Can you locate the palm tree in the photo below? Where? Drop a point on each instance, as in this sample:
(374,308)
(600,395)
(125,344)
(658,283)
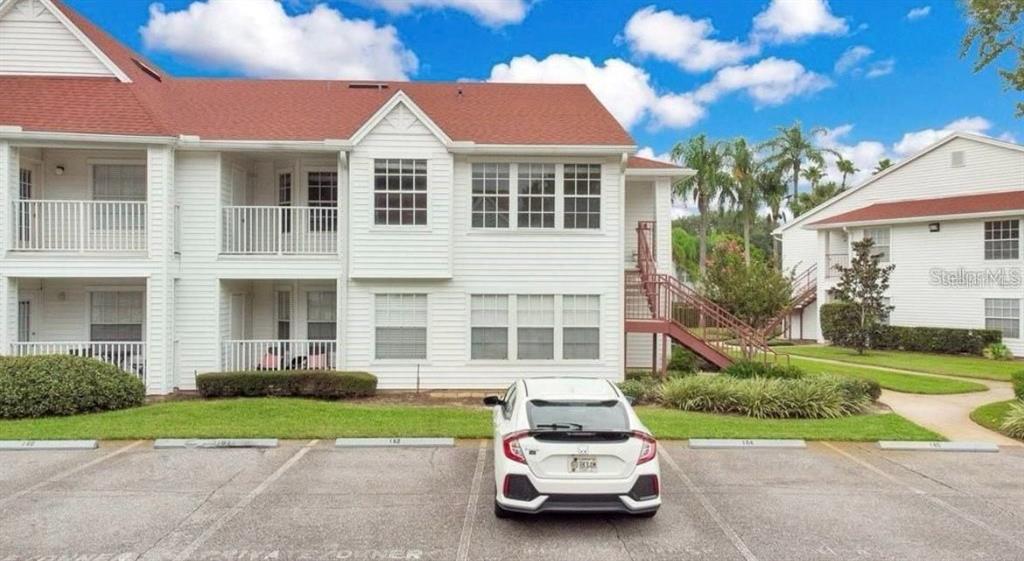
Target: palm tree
(883,164)
(846,168)
(744,195)
(772,188)
(817,195)
(705,186)
(791,148)
(813,174)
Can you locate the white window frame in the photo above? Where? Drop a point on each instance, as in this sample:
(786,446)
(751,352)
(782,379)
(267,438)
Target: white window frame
(490,312)
(93,164)
(90,294)
(528,304)
(1007,305)
(556,196)
(393,320)
(1012,224)
(332,317)
(578,315)
(887,254)
(414,193)
(486,172)
(589,197)
(278,316)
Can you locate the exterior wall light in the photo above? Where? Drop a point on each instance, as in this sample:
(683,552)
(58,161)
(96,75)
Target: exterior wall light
(59,170)
(933,227)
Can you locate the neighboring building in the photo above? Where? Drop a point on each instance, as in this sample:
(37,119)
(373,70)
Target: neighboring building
(435,234)
(948,218)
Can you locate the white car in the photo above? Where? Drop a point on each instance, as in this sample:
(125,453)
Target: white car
(572,445)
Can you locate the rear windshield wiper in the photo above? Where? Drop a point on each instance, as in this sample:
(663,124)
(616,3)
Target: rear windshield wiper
(557,426)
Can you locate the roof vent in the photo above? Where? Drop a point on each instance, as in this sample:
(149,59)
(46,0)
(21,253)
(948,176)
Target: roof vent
(368,86)
(148,69)
(958,159)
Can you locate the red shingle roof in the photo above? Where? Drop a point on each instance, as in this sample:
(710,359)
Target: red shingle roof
(636,162)
(219,109)
(920,208)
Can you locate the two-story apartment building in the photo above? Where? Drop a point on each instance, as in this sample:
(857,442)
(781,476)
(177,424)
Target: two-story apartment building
(435,234)
(947,218)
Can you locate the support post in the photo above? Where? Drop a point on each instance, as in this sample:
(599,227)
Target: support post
(664,355)
(654,354)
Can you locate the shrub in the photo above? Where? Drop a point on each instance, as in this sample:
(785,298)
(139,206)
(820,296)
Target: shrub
(997,351)
(641,391)
(39,386)
(814,397)
(859,386)
(756,369)
(1018,384)
(1013,422)
(324,384)
(838,319)
(682,360)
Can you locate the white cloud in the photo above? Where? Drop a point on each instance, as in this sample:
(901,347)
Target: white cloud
(260,39)
(785,21)
(880,68)
(913,142)
(683,40)
(771,81)
(918,13)
(864,154)
(624,89)
(648,152)
(494,13)
(851,58)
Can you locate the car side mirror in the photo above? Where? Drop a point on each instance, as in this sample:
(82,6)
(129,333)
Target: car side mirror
(630,400)
(493,400)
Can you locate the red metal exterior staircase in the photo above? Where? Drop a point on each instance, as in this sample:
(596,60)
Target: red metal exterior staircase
(661,304)
(805,292)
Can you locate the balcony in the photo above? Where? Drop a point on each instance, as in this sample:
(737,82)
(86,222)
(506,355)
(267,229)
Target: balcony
(279,230)
(128,356)
(79,226)
(833,260)
(278,354)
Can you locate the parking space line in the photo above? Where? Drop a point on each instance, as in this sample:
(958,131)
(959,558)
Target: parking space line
(927,496)
(724,526)
(69,472)
(243,503)
(474,491)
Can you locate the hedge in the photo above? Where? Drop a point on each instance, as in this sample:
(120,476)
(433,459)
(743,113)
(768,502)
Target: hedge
(757,369)
(40,386)
(836,320)
(815,397)
(324,384)
(1018,384)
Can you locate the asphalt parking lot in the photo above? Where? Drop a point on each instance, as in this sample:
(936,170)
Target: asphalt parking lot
(310,501)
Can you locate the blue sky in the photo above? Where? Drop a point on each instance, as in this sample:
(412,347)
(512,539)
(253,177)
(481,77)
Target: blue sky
(670,75)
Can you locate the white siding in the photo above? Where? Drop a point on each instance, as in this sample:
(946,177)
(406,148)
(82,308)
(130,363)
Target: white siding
(61,306)
(34,41)
(401,251)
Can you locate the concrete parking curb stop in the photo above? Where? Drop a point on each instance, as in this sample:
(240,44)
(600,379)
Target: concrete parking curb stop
(48,445)
(394,442)
(746,443)
(162,443)
(937,446)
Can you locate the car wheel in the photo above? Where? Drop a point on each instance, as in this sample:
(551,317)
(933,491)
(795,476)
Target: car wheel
(648,514)
(500,512)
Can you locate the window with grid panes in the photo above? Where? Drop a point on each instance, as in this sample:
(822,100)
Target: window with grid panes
(1002,239)
(400,192)
(284,198)
(489,326)
(881,238)
(1003,314)
(283,312)
(582,186)
(321,315)
(535,195)
(581,327)
(116,315)
(490,195)
(401,326)
(322,187)
(118,182)
(535,327)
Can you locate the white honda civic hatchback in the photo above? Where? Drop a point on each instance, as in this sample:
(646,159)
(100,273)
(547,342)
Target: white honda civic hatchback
(572,445)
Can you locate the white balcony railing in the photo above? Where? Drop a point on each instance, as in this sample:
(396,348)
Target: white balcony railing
(128,356)
(278,354)
(83,226)
(833,260)
(281,230)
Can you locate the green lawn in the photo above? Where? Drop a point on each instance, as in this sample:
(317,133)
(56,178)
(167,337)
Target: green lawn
(952,365)
(991,416)
(896,381)
(300,418)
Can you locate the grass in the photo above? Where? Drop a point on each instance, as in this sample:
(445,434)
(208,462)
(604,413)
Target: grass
(991,415)
(951,365)
(292,418)
(895,381)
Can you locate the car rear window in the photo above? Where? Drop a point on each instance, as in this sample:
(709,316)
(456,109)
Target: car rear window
(607,415)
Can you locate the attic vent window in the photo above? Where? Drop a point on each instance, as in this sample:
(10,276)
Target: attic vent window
(958,159)
(148,69)
(368,86)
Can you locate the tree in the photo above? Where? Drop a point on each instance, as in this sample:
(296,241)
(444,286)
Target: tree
(883,164)
(705,186)
(754,293)
(813,175)
(817,195)
(994,27)
(773,189)
(863,284)
(845,167)
(791,148)
(744,194)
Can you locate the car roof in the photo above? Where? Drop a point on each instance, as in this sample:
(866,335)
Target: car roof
(569,388)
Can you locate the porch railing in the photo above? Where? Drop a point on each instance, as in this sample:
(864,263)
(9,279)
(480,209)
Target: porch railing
(128,356)
(103,226)
(269,230)
(278,354)
(833,260)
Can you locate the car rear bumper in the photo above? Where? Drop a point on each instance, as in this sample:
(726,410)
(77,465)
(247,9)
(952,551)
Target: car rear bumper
(631,495)
(581,503)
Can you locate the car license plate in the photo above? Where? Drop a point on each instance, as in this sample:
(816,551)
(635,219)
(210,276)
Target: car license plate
(582,464)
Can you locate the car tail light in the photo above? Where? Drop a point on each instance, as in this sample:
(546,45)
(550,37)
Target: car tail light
(648,447)
(513,450)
